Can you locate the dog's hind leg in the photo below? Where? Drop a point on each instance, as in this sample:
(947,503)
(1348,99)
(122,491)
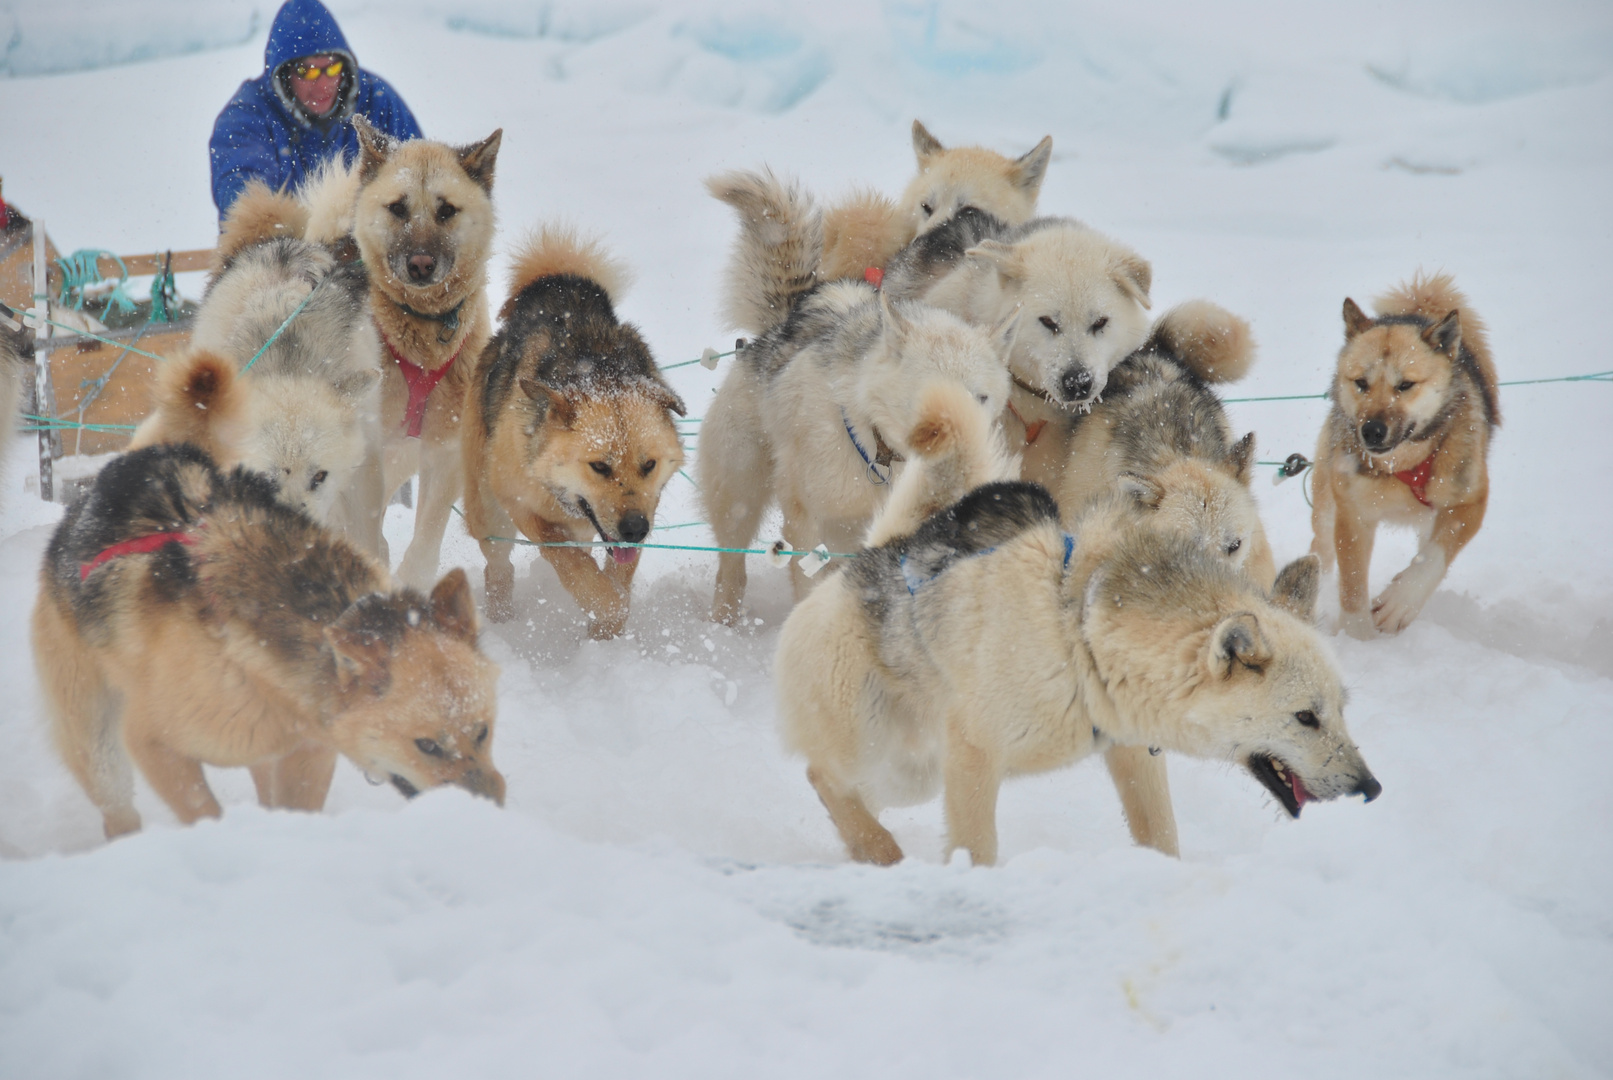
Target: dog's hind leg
(735,467)
(178,779)
(1145,796)
(866,839)
(298,781)
(972,782)
(84,718)
(440,481)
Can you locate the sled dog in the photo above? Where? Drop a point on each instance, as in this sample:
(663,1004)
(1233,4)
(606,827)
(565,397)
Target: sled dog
(307,411)
(1406,441)
(863,233)
(569,432)
(815,412)
(1159,413)
(1083,303)
(421,216)
(185,617)
(988,642)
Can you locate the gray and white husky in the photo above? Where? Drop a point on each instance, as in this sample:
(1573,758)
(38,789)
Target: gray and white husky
(815,412)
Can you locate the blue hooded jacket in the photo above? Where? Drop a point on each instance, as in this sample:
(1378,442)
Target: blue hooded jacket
(264,133)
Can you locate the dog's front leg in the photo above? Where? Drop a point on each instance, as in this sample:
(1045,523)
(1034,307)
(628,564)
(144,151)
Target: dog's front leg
(1403,599)
(1352,541)
(596,592)
(440,483)
(1145,796)
(486,517)
(298,781)
(866,839)
(972,782)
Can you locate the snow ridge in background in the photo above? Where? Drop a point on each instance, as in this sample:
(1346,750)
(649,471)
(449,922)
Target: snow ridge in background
(50,38)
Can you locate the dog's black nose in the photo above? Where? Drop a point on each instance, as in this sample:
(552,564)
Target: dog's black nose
(421,267)
(1076,384)
(1369,788)
(634,527)
(1374,433)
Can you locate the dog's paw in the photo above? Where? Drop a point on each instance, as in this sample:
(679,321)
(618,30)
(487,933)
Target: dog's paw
(1401,602)
(1358,624)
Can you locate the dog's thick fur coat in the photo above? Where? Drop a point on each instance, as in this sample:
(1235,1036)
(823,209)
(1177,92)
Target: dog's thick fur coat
(569,431)
(421,216)
(866,230)
(987,642)
(185,617)
(1406,441)
(815,411)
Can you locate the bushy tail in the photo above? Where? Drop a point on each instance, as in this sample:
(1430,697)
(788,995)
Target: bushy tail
(329,196)
(257,216)
(1434,296)
(957,447)
(1205,338)
(560,249)
(196,398)
(863,232)
(777,255)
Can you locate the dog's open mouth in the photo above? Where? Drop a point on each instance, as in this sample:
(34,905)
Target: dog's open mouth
(409,790)
(621,555)
(1281,781)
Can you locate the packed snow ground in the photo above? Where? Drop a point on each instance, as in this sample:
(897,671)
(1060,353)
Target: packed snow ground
(662,895)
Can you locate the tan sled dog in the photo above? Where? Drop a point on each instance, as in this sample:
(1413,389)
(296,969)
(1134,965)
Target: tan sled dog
(185,618)
(987,642)
(862,233)
(568,432)
(421,215)
(1406,441)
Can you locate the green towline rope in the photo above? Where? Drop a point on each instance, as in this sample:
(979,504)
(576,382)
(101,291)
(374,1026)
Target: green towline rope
(1595,376)
(282,329)
(663,547)
(700,360)
(28,314)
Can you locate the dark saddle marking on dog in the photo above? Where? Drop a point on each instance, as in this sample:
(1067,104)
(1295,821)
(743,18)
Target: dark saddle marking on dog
(943,246)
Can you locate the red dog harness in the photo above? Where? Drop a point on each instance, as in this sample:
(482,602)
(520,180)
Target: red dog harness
(420,383)
(140,545)
(1417,479)
(874,276)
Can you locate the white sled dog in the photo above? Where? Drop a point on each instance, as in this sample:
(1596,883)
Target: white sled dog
(987,642)
(1083,303)
(307,411)
(862,233)
(815,412)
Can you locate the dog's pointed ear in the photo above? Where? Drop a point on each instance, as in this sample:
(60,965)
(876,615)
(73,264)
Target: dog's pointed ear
(1144,490)
(478,159)
(1237,643)
(1355,320)
(1446,335)
(1006,329)
(553,406)
(1029,171)
(925,145)
(1135,277)
(452,609)
(1005,258)
(374,147)
(363,657)
(663,395)
(1241,459)
(1296,588)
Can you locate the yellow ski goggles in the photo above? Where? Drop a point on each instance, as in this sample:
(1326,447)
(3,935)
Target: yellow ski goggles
(309,72)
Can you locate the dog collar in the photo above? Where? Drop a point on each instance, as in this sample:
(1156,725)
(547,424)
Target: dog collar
(140,545)
(1417,479)
(449,319)
(420,383)
(883,454)
(1031,430)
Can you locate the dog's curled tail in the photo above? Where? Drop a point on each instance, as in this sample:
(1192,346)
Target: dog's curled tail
(1205,338)
(330,197)
(194,397)
(560,249)
(779,249)
(864,232)
(257,216)
(957,446)
(1434,296)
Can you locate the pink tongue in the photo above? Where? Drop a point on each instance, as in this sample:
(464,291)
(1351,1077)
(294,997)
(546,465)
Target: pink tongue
(624,555)
(1301,796)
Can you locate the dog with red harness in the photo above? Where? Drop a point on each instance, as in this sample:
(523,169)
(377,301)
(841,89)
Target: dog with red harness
(186,617)
(1414,403)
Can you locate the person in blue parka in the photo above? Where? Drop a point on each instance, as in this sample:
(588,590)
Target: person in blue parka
(281,125)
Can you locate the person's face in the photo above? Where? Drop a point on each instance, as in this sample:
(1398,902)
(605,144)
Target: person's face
(315,80)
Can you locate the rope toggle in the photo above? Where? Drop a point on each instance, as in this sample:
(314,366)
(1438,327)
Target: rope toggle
(1293,465)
